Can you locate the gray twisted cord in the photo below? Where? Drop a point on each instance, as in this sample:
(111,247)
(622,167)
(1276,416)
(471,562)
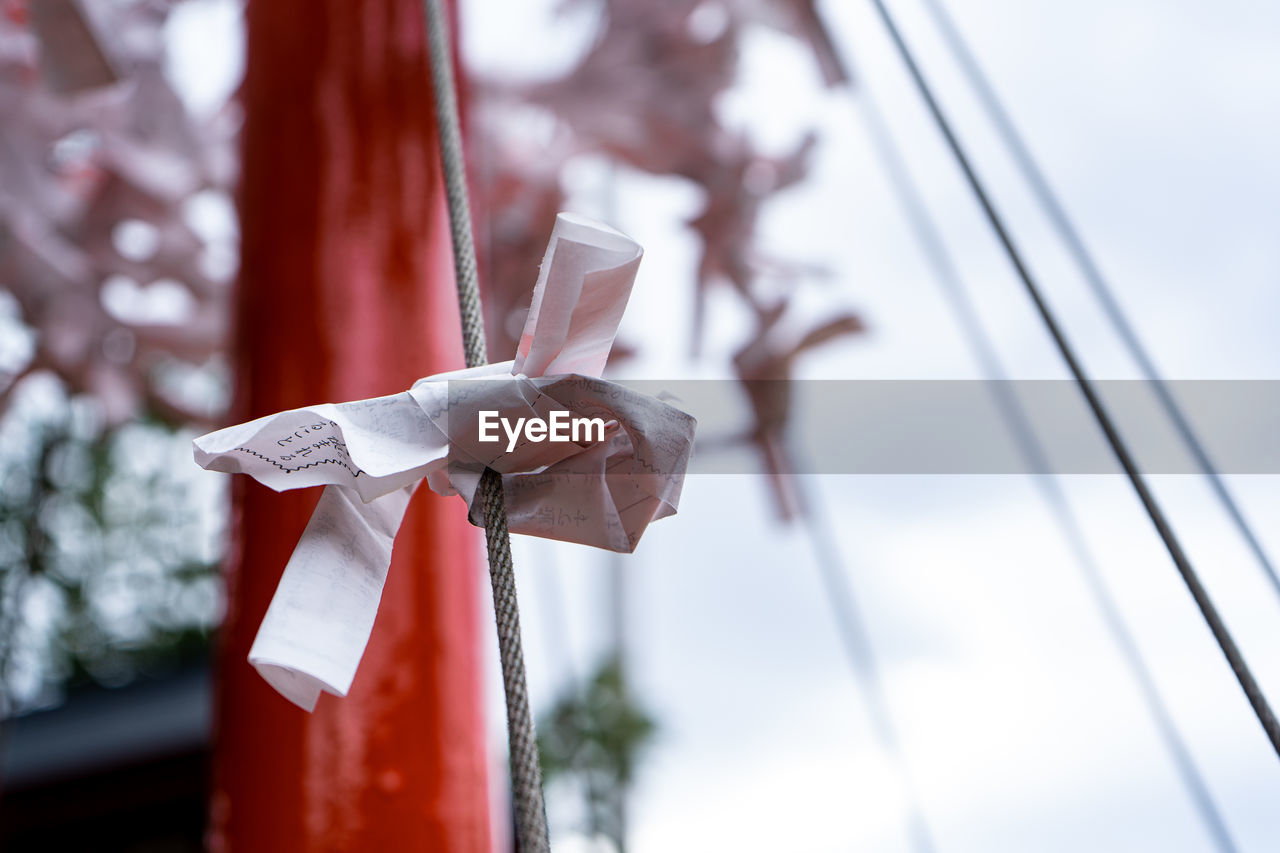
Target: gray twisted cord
(526,772)
(455,182)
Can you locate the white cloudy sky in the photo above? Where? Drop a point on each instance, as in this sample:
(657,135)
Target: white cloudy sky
(1158,122)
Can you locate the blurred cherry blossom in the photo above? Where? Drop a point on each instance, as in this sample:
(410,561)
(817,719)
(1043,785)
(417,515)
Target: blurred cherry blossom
(99,165)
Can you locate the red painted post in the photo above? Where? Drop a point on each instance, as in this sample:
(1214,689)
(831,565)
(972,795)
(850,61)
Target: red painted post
(346,291)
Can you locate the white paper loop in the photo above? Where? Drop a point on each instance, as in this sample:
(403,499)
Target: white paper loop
(371,454)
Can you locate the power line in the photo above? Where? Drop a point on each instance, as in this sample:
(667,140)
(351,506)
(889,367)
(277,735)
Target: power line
(1015,416)
(854,638)
(1093,276)
(1261,708)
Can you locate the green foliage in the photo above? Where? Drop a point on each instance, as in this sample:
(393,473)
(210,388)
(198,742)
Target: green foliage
(595,736)
(106,570)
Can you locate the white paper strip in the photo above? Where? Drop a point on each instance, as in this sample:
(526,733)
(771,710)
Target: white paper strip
(319,620)
(370,455)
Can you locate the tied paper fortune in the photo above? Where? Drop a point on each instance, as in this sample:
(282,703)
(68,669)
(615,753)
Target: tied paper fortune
(370,455)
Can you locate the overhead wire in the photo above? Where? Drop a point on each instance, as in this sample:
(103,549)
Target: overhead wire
(1244,675)
(956,296)
(856,642)
(1094,278)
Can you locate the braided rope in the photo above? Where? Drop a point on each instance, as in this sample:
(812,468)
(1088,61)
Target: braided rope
(526,773)
(455,182)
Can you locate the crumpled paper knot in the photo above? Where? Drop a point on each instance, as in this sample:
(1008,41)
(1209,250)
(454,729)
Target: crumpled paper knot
(624,470)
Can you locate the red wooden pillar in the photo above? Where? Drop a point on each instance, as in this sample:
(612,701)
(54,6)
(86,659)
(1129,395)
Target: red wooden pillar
(346,291)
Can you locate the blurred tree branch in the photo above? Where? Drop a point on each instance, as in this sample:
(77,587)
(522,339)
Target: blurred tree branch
(113,301)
